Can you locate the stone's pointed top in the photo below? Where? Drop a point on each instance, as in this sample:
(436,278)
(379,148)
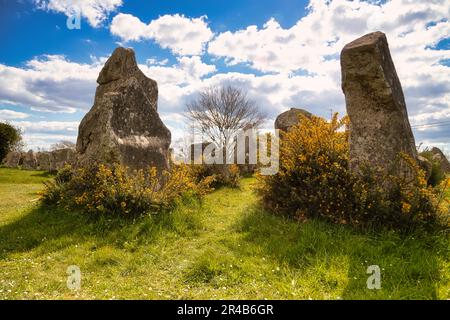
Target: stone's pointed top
(295,112)
(440,157)
(289,118)
(367,40)
(121,64)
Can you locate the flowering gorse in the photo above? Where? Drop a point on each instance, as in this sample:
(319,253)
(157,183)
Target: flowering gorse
(314,181)
(100,189)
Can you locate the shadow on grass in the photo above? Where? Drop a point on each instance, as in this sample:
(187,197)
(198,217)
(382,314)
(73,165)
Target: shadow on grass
(49,229)
(410,266)
(44,174)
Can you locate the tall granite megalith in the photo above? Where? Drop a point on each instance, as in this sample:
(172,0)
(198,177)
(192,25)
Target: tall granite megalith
(379,125)
(123,126)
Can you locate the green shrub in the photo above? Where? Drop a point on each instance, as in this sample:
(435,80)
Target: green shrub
(10,139)
(314,182)
(116,190)
(437,174)
(221,175)
(400,203)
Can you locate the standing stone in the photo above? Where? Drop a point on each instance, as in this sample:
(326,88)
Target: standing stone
(123,126)
(44,160)
(12,159)
(440,157)
(29,160)
(290,118)
(379,125)
(60,157)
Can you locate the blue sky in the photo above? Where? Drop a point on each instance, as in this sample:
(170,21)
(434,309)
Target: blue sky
(30,31)
(284,53)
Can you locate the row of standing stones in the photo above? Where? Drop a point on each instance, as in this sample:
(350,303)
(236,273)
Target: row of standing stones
(47,161)
(123,125)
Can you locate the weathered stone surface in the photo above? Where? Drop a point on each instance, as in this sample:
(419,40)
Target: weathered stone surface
(379,125)
(440,157)
(123,125)
(12,159)
(122,64)
(61,157)
(290,118)
(29,160)
(44,160)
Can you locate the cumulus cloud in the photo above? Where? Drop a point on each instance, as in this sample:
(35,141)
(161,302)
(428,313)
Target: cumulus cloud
(54,84)
(182,35)
(187,69)
(329,25)
(43,141)
(49,83)
(312,47)
(95,11)
(42,134)
(178,82)
(156,61)
(48,126)
(6,114)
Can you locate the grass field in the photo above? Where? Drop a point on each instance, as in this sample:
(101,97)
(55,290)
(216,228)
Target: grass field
(225,247)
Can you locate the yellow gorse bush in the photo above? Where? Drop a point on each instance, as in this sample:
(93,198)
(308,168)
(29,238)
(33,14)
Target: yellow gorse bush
(219,174)
(102,189)
(313,170)
(314,181)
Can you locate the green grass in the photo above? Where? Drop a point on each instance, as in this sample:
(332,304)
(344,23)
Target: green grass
(225,247)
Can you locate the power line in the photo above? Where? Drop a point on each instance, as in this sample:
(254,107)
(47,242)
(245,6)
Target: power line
(431,125)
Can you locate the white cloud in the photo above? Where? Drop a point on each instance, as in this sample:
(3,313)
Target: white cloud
(54,84)
(42,134)
(312,46)
(188,69)
(49,83)
(95,11)
(179,81)
(320,35)
(43,141)
(273,93)
(182,35)
(194,67)
(155,61)
(6,114)
(129,28)
(47,126)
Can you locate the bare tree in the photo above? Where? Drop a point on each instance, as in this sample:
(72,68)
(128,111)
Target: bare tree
(221,112)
